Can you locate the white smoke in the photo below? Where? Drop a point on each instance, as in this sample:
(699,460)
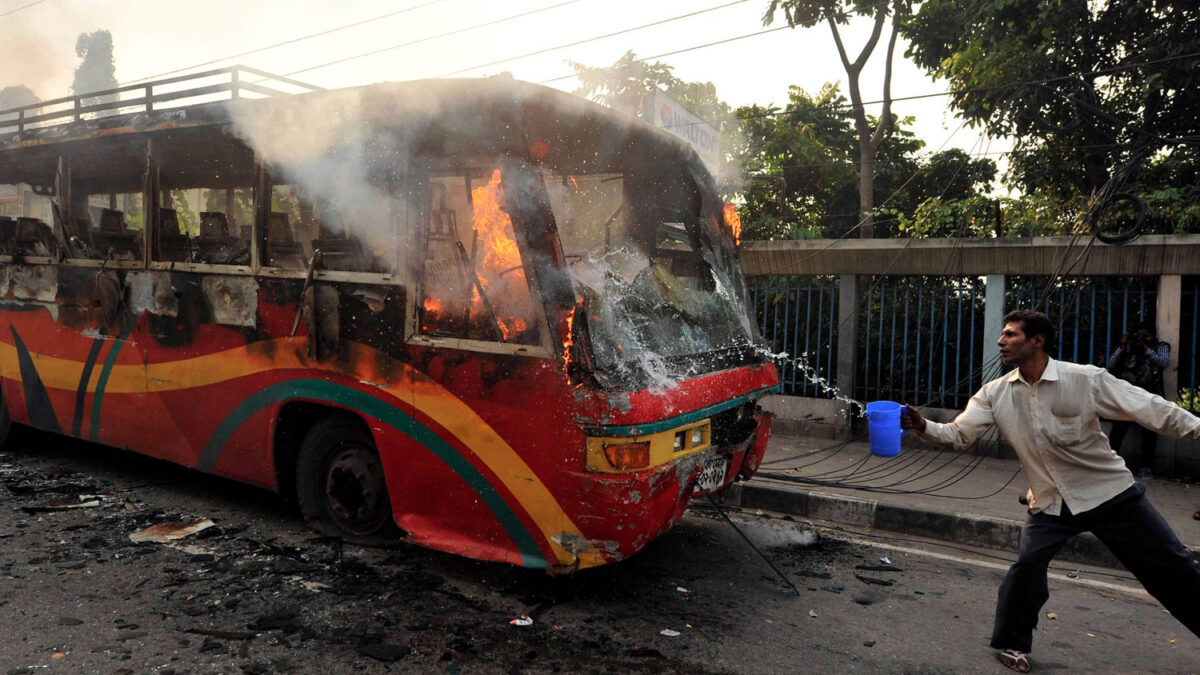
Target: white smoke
(32,61)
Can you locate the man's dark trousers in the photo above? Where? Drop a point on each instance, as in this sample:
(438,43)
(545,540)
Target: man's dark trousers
(1135,533)
(1116,437)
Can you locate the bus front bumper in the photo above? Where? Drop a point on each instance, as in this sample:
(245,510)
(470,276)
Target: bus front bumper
(620,513)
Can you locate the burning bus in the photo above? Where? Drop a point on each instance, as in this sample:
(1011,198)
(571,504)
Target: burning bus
(483,316)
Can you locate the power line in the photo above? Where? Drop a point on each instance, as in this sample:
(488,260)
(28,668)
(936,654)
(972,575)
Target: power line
(593,39)
(432,37)
(688,49)
(14,11)
(915,97)
(285,42)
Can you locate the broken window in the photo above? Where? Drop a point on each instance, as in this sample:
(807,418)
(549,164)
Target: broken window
(353,235)
(205,200)
(651,293)
(105,218)
(30,197)
(474,284)
(26,214)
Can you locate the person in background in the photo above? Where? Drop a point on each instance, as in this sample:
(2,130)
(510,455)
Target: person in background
(1049,411)
(1140,360)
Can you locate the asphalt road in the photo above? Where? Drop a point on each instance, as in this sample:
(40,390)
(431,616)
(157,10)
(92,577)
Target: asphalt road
(257,593)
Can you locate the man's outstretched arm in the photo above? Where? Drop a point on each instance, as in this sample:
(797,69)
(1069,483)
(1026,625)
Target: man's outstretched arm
(960,433)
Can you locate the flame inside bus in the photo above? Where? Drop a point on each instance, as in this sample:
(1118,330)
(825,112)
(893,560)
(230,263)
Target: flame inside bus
(734,221)
(498,261)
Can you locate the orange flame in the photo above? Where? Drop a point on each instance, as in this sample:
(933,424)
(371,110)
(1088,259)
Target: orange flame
(499,263)
(568,342)
(734,221)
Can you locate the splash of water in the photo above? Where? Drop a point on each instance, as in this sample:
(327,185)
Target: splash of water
(800,362)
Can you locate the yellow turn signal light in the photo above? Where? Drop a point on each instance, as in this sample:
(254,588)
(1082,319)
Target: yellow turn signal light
(628,455)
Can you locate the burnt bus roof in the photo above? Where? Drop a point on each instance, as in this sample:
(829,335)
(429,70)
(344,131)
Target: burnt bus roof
(516,113)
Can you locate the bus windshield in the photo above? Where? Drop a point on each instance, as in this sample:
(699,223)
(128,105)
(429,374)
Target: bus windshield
(661,297)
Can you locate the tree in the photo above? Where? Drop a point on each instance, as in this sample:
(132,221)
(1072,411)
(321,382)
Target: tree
(835,13)
(98,71)
(1084,87)
(800,169)
(625,83)
(15,97)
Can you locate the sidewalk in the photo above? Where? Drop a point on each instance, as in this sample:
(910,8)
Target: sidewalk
(926,492)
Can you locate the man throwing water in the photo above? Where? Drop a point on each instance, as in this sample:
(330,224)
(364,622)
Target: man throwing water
(1050,411)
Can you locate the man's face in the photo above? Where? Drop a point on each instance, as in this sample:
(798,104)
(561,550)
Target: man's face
(1015,349)
(1145,337)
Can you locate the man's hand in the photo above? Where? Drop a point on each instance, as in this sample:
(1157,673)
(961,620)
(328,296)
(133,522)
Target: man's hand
(911,418)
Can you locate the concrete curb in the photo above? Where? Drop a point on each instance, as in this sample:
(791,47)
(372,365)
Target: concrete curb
(961,528)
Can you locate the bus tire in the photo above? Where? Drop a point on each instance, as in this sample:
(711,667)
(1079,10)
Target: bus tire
(5,422)
(340,484)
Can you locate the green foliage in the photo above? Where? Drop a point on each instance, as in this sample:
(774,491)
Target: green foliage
(1082,86)
(801,165)
(809,13)
(17,96)
(189,221)
(625,83)
(98,70)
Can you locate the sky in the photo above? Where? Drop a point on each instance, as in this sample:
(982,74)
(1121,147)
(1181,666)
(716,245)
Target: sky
(415,39)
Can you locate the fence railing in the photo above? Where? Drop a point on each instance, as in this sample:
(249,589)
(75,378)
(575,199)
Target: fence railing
(798,316)
(925,338)
(210,85)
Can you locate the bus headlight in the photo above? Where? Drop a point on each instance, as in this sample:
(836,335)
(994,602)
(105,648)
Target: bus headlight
(628,455)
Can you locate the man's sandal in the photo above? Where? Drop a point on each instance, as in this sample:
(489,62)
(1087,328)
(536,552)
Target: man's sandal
(1015,660)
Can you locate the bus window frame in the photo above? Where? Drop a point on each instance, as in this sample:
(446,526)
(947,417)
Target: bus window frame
(420,207)
(398,278)
(67,160)
(154,200)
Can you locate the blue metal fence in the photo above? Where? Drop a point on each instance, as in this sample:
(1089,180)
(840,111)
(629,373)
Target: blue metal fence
(921,338)
(798,316)
(1189,317)
(1091,314)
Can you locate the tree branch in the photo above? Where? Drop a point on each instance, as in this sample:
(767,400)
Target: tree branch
(837,40)
(886,114)
(880,17)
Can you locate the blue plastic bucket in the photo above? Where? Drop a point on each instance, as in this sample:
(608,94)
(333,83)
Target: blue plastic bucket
(883,424)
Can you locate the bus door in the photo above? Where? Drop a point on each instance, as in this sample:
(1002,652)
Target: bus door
(481,340)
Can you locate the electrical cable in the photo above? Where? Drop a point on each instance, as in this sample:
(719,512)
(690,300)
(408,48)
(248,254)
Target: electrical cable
(874,534)
(681,51)
(14,11)
(433,37)
(287,42)
(968,90)
(741,534)
(592,39)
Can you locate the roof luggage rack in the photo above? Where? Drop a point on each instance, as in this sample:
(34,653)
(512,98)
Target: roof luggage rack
(223,84)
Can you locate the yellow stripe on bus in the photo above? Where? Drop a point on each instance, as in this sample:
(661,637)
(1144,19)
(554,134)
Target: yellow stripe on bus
(426,396)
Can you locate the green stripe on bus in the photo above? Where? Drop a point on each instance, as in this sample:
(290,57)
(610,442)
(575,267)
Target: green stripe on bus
(102,381)
(678,420)
(332,392)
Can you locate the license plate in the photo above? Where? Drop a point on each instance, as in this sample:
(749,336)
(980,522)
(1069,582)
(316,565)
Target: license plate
(712,474)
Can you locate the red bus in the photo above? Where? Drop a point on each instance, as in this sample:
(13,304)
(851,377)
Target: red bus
(483,316)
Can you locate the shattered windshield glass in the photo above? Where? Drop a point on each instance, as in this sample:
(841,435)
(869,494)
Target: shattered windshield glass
(657,294)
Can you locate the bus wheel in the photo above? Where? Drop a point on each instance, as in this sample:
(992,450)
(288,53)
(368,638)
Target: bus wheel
(5,422)
(340,484)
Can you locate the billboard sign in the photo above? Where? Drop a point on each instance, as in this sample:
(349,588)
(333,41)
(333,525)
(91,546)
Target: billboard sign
(666,113)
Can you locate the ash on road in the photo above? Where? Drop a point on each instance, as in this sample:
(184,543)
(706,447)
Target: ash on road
(258,593)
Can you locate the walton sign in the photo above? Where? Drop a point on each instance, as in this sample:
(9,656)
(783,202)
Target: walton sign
(666,113)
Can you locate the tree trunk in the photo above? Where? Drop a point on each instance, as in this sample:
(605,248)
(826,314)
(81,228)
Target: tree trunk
(868,140)
(866,190)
